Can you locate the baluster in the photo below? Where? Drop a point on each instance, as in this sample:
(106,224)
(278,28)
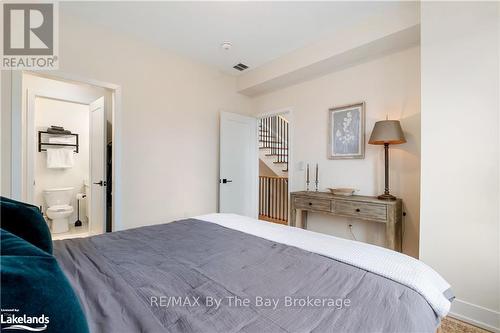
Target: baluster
(260,195)
(266,134)
(277,135)
(268,193)
(272,197)
(284,141)
(286,199)
(271,211)
(268,121)
(269,133)
(276,199)
(280,140)
(287,146)
(280,199)
(274,135)
(261,130)
(264,184)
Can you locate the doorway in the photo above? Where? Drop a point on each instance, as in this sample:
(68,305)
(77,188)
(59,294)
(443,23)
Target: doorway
(254,161)
(274,159)
(83,114)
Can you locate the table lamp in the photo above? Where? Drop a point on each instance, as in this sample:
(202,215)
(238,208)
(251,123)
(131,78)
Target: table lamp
(387,132)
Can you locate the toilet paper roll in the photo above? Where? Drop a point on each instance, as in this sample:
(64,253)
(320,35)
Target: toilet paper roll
(80,196)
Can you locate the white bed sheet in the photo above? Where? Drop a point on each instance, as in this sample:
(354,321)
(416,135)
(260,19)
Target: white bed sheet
(390,264)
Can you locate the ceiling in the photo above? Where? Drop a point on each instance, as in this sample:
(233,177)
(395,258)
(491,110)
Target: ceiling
(259,31)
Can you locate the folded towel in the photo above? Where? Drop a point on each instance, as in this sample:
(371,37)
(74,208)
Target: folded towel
(60,158)
(57,131)
(62,139)
(57,127)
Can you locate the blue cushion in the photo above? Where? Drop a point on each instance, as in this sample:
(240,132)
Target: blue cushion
(25,221)
(33,283)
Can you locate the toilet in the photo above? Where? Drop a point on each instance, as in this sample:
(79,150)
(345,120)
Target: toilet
(58,207)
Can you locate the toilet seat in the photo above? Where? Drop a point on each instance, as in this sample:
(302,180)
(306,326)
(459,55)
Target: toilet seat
(60,208)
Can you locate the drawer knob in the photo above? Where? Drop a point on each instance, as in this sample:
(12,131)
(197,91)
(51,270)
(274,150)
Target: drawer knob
(358,210)
(310,204)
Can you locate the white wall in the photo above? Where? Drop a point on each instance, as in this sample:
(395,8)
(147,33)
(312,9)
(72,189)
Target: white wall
(390,86)
(170,109)
(460,154)
(73,117)
(5,133)
(169,120)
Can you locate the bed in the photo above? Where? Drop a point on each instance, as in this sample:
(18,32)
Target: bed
(228,273)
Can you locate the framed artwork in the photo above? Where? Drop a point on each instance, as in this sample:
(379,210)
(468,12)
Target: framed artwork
(347,132)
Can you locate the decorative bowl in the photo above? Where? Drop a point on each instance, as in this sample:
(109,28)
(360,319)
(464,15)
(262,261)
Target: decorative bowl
(347,192)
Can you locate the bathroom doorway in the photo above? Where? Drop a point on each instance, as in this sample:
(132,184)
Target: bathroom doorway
(68,171)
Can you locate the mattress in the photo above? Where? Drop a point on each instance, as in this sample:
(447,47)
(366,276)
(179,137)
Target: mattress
(195,276)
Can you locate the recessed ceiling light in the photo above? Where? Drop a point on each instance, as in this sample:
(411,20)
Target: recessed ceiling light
(226,45)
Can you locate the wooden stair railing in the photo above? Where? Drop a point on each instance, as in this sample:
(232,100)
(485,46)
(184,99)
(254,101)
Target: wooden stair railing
(273,199)
(273,135)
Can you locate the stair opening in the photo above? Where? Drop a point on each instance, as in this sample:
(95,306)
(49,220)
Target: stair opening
(273,168)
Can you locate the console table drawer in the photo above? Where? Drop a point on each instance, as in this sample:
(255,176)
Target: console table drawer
(363,210)
(313,204)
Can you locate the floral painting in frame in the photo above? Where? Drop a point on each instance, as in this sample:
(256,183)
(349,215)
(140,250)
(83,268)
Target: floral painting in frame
(347,132)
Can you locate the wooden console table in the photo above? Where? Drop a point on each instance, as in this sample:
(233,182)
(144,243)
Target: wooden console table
(356,206)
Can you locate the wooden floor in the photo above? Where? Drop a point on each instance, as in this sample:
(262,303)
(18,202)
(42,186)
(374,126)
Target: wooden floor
(452,325)
(269,219)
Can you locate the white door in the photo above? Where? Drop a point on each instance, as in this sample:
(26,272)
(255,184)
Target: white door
(238,183)
(97,167)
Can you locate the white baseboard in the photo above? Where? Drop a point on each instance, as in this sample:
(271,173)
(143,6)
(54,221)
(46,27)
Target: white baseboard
(476,315)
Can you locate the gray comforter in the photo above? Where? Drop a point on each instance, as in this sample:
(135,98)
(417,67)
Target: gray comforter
(196,276)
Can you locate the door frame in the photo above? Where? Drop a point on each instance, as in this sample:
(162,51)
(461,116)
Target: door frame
(19,135)
(31,137)
(289,112)
(255,169)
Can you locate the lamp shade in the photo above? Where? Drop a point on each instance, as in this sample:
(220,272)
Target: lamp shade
(387,131)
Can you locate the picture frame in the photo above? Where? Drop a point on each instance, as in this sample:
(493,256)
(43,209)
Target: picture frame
(346,132)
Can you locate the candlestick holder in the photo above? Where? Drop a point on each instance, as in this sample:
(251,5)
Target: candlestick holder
(316,178)
(307,178)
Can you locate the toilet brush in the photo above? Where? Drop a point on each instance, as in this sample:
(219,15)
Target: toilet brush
(79,196)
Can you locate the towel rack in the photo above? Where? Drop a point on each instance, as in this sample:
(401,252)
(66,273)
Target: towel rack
(40,143)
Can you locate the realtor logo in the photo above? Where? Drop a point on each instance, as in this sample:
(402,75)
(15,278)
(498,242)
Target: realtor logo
(29,36)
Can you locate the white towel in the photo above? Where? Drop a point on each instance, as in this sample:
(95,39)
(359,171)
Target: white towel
(60,158)
(62,139)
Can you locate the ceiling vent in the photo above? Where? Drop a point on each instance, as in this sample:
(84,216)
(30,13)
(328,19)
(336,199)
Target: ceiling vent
(240,67)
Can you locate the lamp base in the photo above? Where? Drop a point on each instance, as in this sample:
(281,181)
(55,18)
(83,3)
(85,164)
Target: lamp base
(386,197)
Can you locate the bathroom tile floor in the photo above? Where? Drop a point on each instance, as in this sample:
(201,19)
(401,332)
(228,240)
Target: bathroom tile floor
(74,232)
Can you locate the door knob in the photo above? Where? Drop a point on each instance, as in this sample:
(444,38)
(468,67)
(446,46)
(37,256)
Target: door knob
(101,183)
(224,181)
